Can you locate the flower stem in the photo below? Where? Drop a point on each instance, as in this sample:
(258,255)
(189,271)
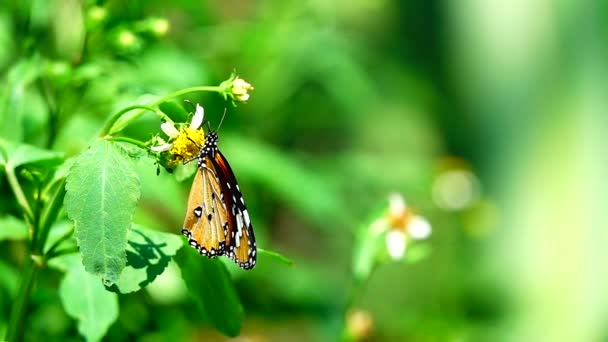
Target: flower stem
(28,213)
(114,118)
(108,127)
(15,326)
(18,191)
(135,142)
(216,89)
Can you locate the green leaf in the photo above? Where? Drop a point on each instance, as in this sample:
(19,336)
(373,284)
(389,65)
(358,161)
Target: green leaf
(27,154)
(212,290)
(15,93)
(148,254)
(174,111)
(19,155)
(50,212)
(10,280)
(3,156)
(102,190)
(85,299)
(183,172)
(417,252)
(276,256)
(57,235)
(12,228)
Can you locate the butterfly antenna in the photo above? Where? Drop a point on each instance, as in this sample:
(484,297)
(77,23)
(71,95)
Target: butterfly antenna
(222,120)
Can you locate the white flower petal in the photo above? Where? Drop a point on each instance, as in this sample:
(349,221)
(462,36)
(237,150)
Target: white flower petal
(396,244)
(396,204)
(162,148)
(169,129)
(197,119)
(242,97)
(419,228)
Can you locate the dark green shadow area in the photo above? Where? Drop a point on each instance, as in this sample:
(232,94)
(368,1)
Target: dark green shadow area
(148,254)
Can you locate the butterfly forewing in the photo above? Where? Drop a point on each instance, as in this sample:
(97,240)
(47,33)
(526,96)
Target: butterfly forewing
(206,222)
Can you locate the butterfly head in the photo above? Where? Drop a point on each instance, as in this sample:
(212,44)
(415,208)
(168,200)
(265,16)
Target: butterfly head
(209,149)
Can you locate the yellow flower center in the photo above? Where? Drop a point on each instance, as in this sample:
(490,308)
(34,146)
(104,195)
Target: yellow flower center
(400,221)
(187,144)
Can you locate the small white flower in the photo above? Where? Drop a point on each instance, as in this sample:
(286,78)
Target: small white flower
(172,132)
(396,204)
(402,225)
(162,148)
(396,244)
(197,119)
(169,130)
(240,89)
(419,228)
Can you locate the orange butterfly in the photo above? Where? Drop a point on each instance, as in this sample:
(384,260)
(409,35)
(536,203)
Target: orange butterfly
(217,222)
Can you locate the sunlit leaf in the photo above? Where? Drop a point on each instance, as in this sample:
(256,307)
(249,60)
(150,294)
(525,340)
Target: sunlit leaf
(58,230)
(417,252)
(12,228)
(168,287)
(85,299)
(3,157)
(102,191)
(10,279)
(275,256)
(148,254)
(19,155)
(183,172)
(14,95)
(212,290)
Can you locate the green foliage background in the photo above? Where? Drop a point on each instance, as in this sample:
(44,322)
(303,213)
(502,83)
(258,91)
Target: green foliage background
(353,100)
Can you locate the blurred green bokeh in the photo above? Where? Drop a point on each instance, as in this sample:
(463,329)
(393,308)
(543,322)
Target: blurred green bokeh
(353,100)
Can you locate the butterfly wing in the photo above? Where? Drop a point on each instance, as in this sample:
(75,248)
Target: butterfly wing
(240,240)
(207,220)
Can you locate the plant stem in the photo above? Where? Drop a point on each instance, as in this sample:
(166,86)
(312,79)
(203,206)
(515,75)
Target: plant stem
(114,118)
(137,143)
(19,194)
(15,326)
(187,91)
(108,127)
(357,287)
(21,199)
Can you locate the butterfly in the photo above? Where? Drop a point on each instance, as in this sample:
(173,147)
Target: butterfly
(217,221)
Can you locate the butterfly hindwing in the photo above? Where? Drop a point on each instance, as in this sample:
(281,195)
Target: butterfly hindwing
(241,245)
